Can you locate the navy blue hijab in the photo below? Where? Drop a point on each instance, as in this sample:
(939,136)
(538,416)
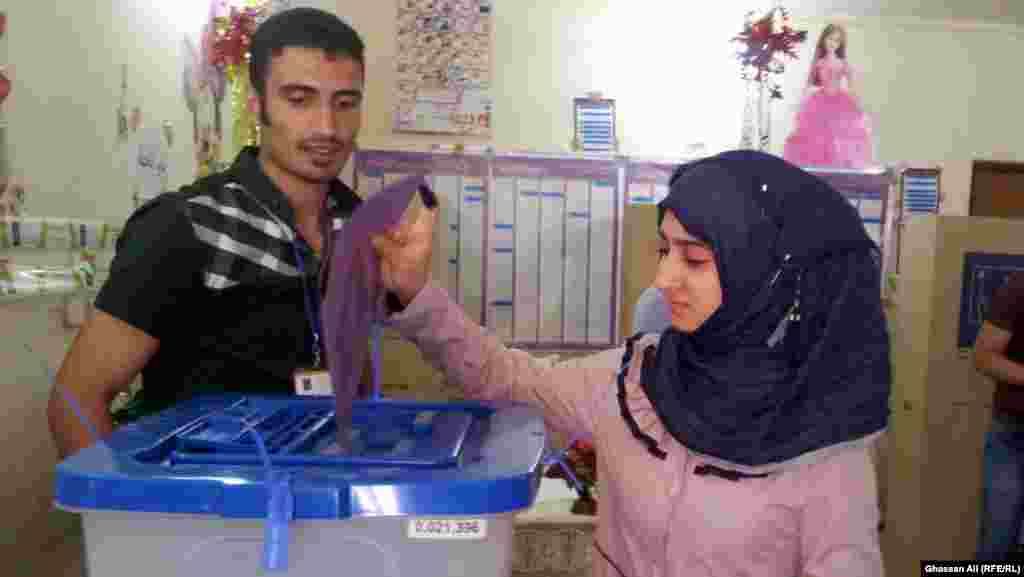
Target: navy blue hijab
(797,357)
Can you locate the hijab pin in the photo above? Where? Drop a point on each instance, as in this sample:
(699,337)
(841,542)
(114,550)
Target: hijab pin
(785,260)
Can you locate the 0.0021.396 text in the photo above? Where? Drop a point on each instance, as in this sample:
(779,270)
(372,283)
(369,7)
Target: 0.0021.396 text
(463,529)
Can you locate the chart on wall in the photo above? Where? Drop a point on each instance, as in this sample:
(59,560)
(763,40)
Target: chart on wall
(554,251)
(983,275)
(460,181)
(443,67)
(528,246)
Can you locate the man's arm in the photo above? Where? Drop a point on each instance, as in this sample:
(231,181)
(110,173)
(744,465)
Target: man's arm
(152,279)
(990,355)
(104,359)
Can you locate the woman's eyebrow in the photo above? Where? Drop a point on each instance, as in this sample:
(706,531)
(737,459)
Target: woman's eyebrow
(682,241)
(685,242)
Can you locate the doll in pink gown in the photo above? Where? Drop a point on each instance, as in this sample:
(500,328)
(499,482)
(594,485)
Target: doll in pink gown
(831,128)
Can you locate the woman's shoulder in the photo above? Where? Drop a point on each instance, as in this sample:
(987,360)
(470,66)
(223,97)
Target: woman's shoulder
(625,357)
(633,355)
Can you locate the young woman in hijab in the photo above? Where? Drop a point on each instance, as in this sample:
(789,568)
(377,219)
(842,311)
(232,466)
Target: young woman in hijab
(736,442)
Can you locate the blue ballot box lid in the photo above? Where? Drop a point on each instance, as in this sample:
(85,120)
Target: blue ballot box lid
(406,459)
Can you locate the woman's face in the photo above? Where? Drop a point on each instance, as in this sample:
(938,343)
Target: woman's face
(687,276)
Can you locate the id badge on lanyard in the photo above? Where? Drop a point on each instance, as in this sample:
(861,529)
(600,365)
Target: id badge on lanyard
(315,380)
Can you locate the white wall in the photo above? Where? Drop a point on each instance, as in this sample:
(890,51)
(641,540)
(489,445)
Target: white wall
(674,84)
(67,60)
(940,92)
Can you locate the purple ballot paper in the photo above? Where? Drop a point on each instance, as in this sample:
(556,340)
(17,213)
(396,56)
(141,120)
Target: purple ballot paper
(354,298)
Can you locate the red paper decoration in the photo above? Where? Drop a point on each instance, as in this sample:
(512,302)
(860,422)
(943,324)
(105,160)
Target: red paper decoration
(766,43)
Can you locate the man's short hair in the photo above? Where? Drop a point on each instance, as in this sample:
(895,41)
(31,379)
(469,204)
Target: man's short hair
(300,28)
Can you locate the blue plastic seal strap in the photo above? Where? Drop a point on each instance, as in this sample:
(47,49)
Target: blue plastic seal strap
(71,401)
(280,512)
(558,457)
(280,509)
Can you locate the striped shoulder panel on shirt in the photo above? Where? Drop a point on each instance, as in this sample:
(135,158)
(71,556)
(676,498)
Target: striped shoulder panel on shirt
(247,242)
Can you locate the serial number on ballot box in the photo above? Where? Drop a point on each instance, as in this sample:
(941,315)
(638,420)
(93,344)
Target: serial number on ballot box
(455,529)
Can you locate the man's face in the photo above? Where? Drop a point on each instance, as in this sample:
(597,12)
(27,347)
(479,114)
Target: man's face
(312,102)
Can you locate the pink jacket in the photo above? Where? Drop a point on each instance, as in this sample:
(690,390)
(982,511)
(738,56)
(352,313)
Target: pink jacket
(816,515)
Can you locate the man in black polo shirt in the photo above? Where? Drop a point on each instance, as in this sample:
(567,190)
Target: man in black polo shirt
(999,354)
(216,286)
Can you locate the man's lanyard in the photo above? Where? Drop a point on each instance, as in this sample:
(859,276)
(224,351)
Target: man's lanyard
(308,300)
(311,302)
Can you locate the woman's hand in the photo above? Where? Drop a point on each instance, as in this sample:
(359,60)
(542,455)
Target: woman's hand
(405,252)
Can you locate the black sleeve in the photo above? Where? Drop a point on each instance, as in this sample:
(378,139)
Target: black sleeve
(156,270)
